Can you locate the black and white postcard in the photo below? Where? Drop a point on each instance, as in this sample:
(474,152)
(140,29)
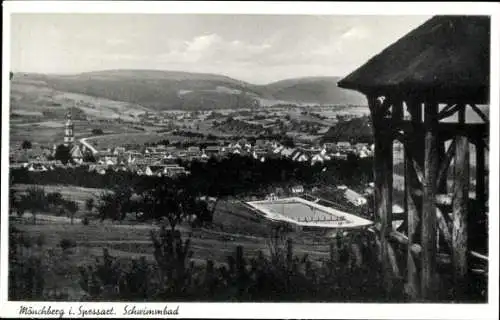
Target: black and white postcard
(249,160)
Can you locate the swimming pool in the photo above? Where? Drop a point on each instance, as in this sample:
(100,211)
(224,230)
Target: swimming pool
(307,213)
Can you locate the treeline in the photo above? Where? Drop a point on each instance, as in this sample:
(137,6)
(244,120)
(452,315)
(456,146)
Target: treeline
(235,175)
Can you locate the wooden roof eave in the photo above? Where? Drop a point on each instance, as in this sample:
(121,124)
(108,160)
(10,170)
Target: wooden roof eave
(468,95)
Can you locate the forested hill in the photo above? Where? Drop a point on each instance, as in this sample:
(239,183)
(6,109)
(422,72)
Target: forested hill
(175,90)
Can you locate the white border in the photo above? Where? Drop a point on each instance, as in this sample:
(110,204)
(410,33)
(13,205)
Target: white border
(281,310)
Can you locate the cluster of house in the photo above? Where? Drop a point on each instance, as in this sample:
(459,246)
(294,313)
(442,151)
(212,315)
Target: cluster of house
(161,160)
(157,169)
(261,151)
(327,151)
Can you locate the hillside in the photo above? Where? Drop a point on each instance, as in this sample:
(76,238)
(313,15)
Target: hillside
(355,130)
(32,96)
(175,90)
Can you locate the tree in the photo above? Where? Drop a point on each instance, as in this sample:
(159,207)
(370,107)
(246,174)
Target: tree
(168,201)
(35,200)
(72,208)
(54,198)
(88,157)
(108,207)
(288,142)
(26,144)
(63,154)
(89,204)
(97,131)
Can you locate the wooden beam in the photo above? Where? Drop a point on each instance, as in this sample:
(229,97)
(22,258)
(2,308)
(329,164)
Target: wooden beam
(415,167)
(447,108)
(418,171)
(447,130)
(397,110)
(448,111)
(416,249)
(479,256)
(441,187)
(445,164)
(460,209)
(443,226)
(480,113)
(415,110)
(393,260)
(429,225)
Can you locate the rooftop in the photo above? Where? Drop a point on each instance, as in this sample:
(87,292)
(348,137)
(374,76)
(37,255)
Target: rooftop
(446,59)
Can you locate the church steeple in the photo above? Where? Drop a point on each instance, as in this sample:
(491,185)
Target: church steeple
(69,138)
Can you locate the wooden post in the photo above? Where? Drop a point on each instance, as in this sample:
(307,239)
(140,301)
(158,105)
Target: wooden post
(382,171)
(428,232)
(460,208)
(412,285)
(480,173)
(442,188)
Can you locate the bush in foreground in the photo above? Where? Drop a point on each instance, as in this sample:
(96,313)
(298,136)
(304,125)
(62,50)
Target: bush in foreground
(283,276)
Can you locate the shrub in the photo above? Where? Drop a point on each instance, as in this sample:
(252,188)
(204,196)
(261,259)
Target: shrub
(66,244)
(26,144)
(97,131)
(89,204)
(282,276)
(109,280)
(85,221)
(40,240)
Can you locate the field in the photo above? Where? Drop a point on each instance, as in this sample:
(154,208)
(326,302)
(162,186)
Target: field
(51,132)
(126,241)
(31,97)
(140,138)
(78,194)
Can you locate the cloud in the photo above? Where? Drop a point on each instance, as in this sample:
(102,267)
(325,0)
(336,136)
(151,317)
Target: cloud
(355,33)
(212,48)
(203,43)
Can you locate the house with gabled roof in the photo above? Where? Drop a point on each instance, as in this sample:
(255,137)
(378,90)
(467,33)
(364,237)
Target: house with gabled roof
(288,152)
(37,167)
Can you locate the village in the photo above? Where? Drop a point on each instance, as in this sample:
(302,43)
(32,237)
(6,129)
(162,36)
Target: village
(167,160)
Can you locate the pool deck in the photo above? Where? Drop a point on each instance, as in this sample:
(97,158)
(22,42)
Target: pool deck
(350,221)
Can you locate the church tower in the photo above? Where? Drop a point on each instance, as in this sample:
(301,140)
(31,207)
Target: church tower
(69,138)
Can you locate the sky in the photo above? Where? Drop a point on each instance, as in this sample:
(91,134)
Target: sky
(254,48)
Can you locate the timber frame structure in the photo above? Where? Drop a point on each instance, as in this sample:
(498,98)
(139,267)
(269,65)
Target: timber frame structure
(437,71)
